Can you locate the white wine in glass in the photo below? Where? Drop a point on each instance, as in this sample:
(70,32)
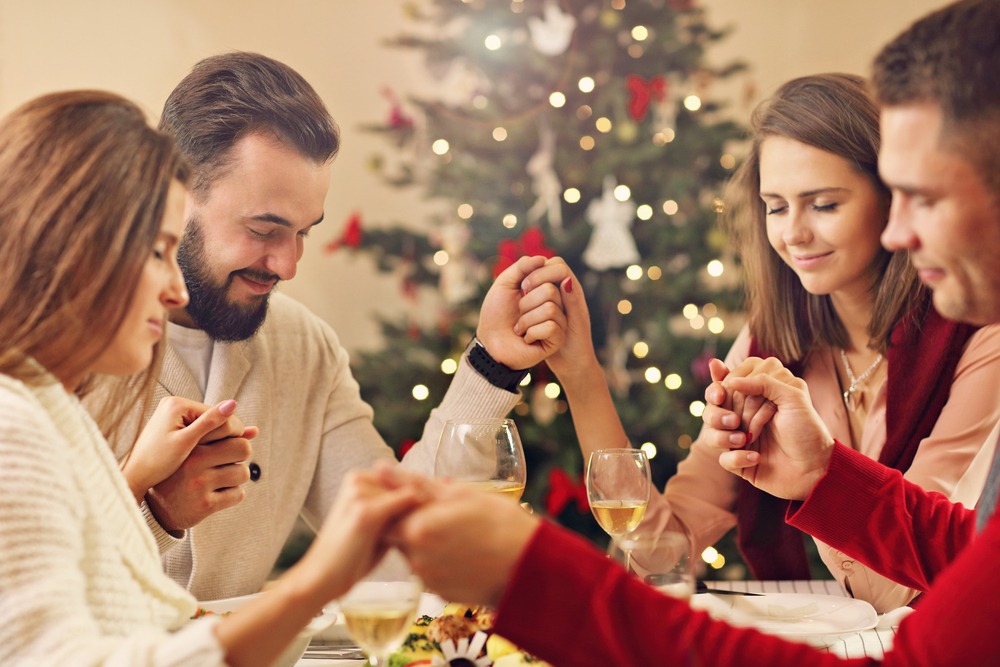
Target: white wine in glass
(484,453)
(618,489)
(380,608)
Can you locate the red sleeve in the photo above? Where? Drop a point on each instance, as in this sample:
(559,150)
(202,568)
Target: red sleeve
(893,526)
(569,604)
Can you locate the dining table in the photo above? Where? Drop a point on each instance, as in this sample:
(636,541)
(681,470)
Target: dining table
(872,642)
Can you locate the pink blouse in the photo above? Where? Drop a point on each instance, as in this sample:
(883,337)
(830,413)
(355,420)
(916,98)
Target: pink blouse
(702,495)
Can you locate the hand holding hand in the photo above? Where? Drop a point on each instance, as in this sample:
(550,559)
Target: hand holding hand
(576,355)
(463,543)
(352,540)
(521,329)
(731,418)
(791,454)
(176,427)
(209,476)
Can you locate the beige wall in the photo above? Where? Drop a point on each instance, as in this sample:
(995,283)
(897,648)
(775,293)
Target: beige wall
(141,48)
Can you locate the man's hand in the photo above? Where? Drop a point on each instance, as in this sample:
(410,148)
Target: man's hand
(518,327)
(204,453)
(789,454)
(463,543)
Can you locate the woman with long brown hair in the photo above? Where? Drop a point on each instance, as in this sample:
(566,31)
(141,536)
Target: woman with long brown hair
(91,212)
(887,373)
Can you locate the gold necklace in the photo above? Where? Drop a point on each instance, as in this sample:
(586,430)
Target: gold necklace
(849,399)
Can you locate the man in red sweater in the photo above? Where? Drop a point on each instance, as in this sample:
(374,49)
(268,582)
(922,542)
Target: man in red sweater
(939,83)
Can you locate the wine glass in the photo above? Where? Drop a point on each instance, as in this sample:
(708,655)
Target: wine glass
(381,607)
(618,490)
(485,453)
(663,559)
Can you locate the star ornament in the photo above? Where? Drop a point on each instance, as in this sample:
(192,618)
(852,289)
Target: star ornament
(463,654)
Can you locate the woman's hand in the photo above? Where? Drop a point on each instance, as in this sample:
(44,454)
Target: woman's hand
(177,426)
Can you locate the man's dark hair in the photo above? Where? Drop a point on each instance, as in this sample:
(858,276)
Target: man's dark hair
(951,58)
(229,96)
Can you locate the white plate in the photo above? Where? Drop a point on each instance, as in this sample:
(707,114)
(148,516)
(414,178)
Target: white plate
(294,651)
(429,604)
(816,619)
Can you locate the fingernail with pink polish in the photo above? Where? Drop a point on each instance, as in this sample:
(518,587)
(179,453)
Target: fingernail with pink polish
(227,407)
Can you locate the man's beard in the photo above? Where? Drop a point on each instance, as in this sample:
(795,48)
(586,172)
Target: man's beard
(209,305)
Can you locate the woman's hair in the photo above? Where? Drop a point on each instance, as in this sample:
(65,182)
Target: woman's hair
(835,113)
(83,189)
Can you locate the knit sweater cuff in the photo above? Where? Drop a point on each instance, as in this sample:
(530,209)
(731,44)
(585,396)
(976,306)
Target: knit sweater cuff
(472,395)
(164,540)
(829,513)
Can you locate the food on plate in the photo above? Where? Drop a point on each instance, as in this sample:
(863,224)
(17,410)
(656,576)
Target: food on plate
(461,635)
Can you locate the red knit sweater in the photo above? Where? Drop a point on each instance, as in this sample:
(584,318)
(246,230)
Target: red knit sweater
(570,605)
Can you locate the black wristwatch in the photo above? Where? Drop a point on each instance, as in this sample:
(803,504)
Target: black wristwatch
(497,374)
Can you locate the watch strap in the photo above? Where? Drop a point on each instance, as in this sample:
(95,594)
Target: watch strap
(496,373)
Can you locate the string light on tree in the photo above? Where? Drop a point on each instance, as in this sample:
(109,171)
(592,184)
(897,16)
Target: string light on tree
(449,366)
(692,102)
(649,449)
(715,268)
(653,375)
(465,211)
(525,163)
(697,408)
(716,325)
(420,392)
(440,146)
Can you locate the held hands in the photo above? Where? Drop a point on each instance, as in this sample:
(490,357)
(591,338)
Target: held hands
(352,539)
(576,356)
(521,328)
(207,450)
(789,448)
(176,427)
(462,543)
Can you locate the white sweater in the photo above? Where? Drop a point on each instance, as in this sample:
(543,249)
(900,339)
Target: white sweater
(80,576)
(293,380)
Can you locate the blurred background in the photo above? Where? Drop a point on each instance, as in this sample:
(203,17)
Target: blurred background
(478,130)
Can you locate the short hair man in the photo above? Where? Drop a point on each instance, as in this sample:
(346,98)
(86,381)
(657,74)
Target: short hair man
(260,141)
(940,83)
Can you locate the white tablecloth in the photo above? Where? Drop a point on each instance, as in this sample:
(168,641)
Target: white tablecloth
(870,643)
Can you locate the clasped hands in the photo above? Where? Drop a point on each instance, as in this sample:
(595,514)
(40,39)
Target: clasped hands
(762,414)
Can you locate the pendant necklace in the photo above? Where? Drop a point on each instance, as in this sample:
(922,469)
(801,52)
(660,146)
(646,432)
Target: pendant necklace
(849,399)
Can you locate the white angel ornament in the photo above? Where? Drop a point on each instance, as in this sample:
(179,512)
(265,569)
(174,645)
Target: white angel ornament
(611,244)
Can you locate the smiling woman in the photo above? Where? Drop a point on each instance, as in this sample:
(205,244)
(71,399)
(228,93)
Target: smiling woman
(91,207)
(887,374)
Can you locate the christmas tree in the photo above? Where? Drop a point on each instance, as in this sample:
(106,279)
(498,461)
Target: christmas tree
(579,128)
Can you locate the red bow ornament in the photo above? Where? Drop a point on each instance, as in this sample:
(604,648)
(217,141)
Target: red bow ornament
(351,235)
(531,243)
(642,92)
(562,489)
